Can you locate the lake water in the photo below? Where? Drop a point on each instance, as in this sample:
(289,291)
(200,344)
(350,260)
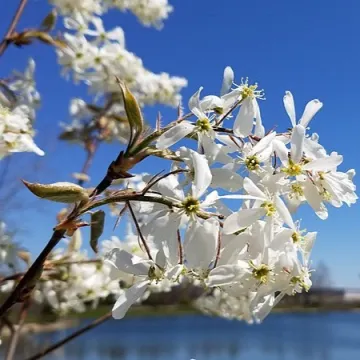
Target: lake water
(332,336)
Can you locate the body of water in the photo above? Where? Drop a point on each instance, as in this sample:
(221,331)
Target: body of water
(330,336)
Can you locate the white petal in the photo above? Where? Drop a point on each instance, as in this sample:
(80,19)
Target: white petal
(324,164)
(242,219)
(241,197)
(314,199)
(263,144)
(231,251)
(244,120)
(210,199)
(175,134)
(252,189)
(227,274)
(215,152)
(309,240)
(127,262)
(200,243)
(226,179)
(282,152)
(194,101)
(211,102)
(202,176)
(284,212)
(281,239)
(27,143)
(259,128)
(163,230)
(313,149)
(290,107)
(311,108)
(227,80)
(129,297)
(174,273)
(169,186)
(263,309)
(297,143)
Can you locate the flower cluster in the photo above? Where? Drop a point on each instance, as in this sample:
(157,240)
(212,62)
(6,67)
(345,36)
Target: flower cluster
(18,102)
(96,56)
(149,12)
(71,281)
(223,217)
(9,250)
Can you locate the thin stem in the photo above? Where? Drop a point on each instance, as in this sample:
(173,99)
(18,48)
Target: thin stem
(156,179)
(93,145)
(237,103)
(181,258)
(15,337)
(89,159)
(19,275)
(16,276)
(126,196)
(72,336)
(139,230)
(218,250)
(28,281)
(79,262)
(6,40)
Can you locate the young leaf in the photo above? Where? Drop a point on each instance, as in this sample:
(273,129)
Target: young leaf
(97,228)
(49,22)
(133,114)
(64,192)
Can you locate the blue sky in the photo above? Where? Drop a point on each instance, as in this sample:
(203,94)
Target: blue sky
(308,47)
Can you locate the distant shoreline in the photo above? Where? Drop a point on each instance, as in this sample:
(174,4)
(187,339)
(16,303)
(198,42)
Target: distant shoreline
(72,320)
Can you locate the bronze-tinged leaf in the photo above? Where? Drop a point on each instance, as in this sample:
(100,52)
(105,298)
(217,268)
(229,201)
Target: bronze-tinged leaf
(97,228)
(64,192)
(49,22)
(24,256)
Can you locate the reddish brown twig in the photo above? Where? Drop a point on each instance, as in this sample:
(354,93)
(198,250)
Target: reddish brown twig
(15,20)
(15,337)
(72,336)
(27,282)
(143,241)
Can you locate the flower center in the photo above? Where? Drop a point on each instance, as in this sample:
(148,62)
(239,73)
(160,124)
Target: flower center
(252,163)
(292,169)
(155,274)
(269,207)
(297,280)
(261,273)
(297,189)
(248,91)
(203,124)
(191,205)
(296,237)
(326,195)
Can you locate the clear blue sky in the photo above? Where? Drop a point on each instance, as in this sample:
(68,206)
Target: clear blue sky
(309,47)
